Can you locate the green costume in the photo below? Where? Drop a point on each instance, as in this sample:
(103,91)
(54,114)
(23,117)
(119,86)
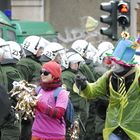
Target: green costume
(123,111)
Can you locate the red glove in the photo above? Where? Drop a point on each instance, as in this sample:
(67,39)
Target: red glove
(42,107)
(55,112)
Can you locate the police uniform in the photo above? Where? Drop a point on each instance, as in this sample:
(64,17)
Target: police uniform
(11,129)
(30,68)
(95,123)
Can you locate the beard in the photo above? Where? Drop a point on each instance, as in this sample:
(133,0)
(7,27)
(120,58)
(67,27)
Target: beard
(116,68)
(120,70)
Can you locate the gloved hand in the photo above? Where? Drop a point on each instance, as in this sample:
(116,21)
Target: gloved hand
(80,81)
(42,107)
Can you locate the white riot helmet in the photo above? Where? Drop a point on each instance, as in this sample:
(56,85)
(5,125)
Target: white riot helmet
(34,43)
(9,50)
(73,57)
(85,49)
(16,49)
(104,48)
(2,41)
(5,52)
(52,50)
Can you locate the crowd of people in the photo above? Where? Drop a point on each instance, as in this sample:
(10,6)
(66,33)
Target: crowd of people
(89,76)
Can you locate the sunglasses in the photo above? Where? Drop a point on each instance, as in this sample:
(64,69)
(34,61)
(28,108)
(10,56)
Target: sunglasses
(44,72)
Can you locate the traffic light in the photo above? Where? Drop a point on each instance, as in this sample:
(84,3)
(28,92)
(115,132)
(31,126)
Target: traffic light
(110,19)
(124,14)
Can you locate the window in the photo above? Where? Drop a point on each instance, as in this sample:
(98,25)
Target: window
(11,35)
(1,32)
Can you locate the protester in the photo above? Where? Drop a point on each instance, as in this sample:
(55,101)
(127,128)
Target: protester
(49,121)
(121,85)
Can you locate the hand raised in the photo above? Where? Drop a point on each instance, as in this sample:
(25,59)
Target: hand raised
(80,81)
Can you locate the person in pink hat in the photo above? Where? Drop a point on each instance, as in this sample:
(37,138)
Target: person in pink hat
(121,85)
(49,121)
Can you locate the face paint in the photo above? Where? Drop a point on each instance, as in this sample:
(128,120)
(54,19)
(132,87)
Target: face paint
(107,61)
(117,68)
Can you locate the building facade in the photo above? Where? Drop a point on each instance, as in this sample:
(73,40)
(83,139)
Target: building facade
(67,15)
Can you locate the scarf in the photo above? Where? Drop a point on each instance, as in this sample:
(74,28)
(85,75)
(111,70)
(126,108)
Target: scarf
(51,85)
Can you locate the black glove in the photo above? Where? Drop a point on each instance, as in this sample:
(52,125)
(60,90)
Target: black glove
(80,82)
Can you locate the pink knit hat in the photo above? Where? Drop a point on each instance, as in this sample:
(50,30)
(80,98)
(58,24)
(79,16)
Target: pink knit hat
(54,68)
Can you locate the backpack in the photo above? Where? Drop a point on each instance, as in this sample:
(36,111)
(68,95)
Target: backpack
(69,113)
